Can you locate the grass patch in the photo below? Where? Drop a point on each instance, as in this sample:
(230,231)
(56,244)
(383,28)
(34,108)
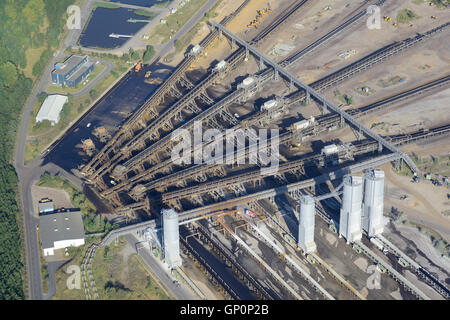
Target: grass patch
(98,68)
(121,278)
(106,5)
(33,55)
(441,3)
(162,32)
(77,198)
(76,255)
(44,270)
(344,98)
(144,13)
(41,135)
(404,170)
(433,164)
(93,223)
(406,16)
(162,3)
(187,38)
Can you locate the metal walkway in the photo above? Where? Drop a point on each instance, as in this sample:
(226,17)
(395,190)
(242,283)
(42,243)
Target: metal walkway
(310,91)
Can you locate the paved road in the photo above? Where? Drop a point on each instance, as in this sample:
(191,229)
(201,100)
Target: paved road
(109,66)
(190,24)
(178,291)
(29,174)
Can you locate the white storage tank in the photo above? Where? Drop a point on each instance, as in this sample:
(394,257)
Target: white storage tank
(171,238)
(196,49)
(350,219)
(248,81)
(330,149)
(372,220)
(221,65)
(269,104)
(306,224)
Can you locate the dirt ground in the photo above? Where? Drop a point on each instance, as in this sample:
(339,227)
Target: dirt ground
(424,204)
(60,197)
(200,280)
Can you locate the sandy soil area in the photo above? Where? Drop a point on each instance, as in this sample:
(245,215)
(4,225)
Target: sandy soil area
(424,204)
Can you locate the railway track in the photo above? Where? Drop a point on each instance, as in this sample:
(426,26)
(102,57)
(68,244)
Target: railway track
(239,55)
(320,85)
(164,120)
(190,250)
(322,124)
(156,98)
(225,252)
(295,166)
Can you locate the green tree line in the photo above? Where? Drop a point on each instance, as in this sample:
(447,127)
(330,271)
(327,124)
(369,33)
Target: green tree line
(22,26)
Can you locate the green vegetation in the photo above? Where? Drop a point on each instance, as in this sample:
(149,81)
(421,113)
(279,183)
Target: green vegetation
(148,54)
(406,16)
(76,255)
(77,198)
(144,13)
(404,170)
(93,223)
(384,83)
(162,32)
(41,135)
(107,5)
(134,55)
(344,98)
(441,3)
(98,68)
(26,25)
(118,274)
(187,38)
(44,270)
(122,276)
(433,164)
(162,3)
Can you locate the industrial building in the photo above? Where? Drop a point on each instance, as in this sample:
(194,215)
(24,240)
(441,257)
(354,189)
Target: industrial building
(72,71)
(51,108)
(306,224)
(372,218)
(171,238)
(350,220)
(61,230)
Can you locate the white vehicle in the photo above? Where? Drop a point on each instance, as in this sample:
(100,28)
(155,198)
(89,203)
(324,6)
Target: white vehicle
(88,125)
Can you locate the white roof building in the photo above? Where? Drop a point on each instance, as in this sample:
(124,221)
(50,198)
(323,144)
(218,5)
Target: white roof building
(51,108)
(61,230)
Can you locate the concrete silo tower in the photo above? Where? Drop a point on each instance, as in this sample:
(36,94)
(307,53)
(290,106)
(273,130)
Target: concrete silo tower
(350,220)
(372,219)
(306,224)
(171,238)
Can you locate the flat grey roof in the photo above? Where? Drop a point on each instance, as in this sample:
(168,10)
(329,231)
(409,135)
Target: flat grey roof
(60,226)
(80,71)
(69,64)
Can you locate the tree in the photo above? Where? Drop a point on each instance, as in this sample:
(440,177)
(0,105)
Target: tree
(34,12)
(148,54)
(8,74)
